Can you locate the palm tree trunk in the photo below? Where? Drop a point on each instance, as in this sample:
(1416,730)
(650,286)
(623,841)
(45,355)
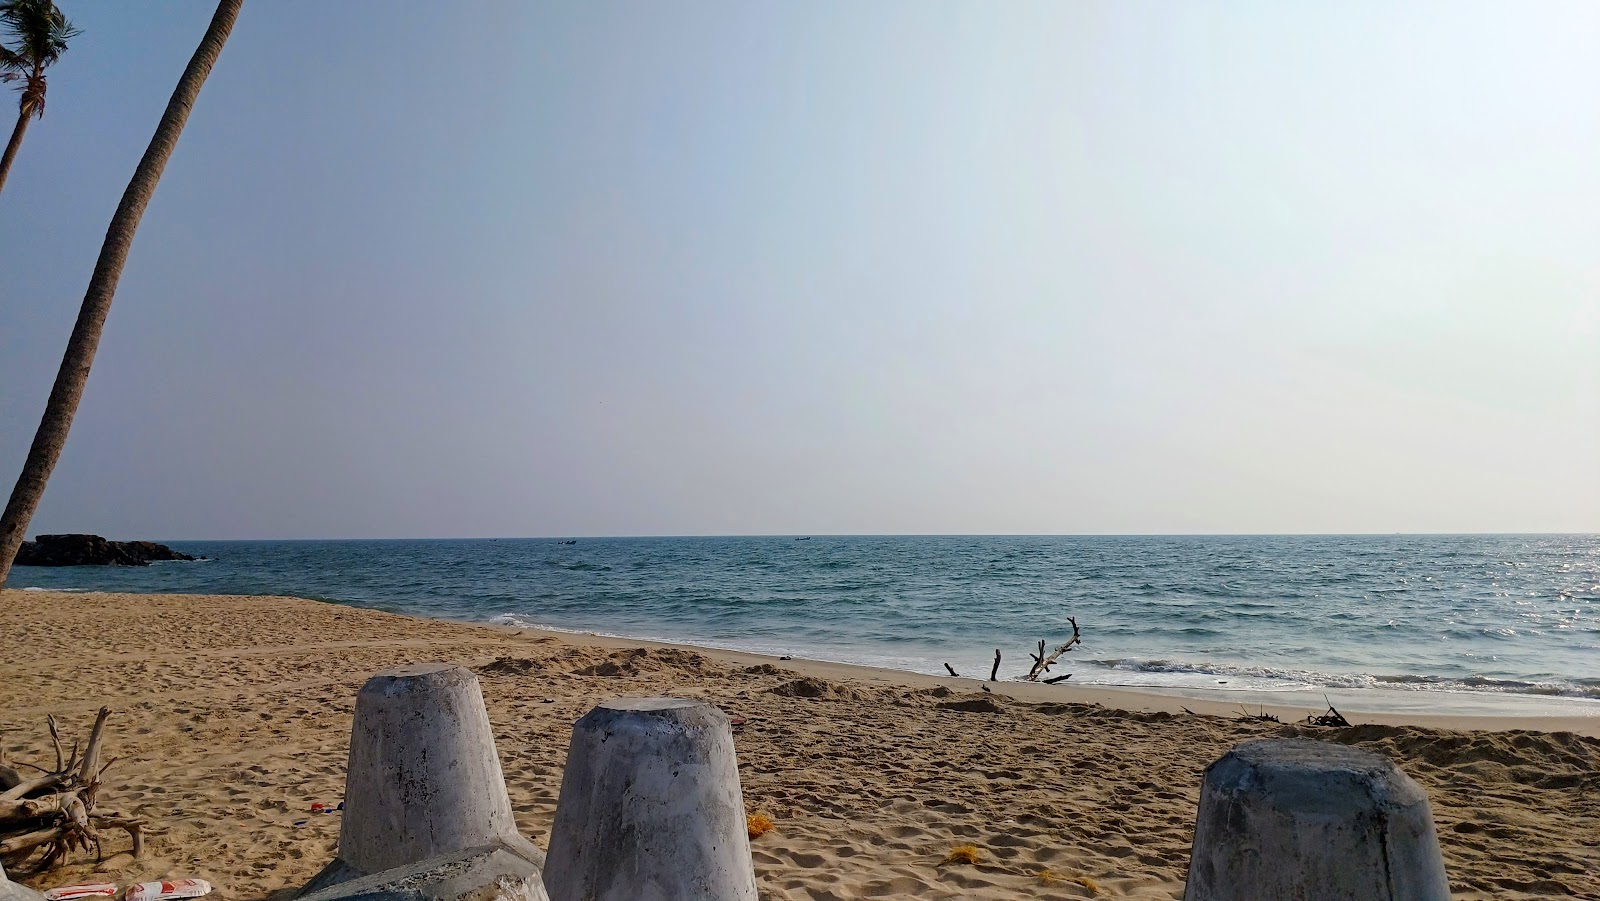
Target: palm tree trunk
(12,146)
(74,372)
(25,111)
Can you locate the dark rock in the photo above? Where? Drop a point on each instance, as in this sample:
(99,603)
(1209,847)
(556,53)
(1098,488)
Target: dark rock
(92,550)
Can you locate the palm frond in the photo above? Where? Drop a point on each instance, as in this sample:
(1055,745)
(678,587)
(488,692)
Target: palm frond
(38,33)
(37,29)
(11,63)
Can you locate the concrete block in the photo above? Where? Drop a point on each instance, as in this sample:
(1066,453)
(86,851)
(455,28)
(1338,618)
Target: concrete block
(1312,821)
(11,891)
(490,873)
(650,807)
(424,779)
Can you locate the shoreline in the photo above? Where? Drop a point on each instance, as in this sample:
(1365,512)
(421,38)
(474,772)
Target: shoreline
(1482,625)
(1137,699)
(1444,708)
(1431,708)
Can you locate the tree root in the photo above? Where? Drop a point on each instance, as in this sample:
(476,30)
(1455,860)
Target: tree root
(44,818)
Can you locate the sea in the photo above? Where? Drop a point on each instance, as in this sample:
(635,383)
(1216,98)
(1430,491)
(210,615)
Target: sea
(1489,624)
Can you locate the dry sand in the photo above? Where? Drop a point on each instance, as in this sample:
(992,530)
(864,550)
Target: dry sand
(233,713)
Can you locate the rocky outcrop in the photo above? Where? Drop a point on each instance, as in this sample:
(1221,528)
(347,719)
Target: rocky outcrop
(92,550)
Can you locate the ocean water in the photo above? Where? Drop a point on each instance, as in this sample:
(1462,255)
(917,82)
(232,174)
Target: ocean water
(1514,617)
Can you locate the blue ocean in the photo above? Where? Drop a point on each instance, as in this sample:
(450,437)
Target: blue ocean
(1513,616)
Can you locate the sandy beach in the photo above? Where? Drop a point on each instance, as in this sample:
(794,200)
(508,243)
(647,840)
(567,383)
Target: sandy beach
(232,717)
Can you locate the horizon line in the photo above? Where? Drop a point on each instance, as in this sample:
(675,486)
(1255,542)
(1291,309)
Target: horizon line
(642,537)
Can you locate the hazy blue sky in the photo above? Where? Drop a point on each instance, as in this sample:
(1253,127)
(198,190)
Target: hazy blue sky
(660,268)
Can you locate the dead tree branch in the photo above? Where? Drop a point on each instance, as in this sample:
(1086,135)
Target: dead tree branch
(1331,718)
(55,739)
(91,755)
(1042,664)
(1260,716)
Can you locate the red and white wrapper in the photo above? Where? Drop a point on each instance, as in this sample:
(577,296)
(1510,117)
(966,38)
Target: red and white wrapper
(162,891)
(82,890)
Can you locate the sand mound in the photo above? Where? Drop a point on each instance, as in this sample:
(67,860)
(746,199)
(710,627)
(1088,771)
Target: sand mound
(820,689)
(766,669)
(510,666)
(642,661)
(978,703)
(1551,760)
(803,688)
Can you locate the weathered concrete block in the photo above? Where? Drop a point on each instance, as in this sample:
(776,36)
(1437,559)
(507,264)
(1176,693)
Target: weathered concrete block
(1312,821)
(651,808)
(424,780)
(489,873)
(11,891)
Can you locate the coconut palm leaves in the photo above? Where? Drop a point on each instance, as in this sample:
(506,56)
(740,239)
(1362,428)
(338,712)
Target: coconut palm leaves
(35,34)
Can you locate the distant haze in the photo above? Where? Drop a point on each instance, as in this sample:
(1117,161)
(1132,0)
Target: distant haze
(650,268)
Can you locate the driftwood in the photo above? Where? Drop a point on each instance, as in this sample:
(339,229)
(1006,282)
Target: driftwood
(952,670)
(1260,716)
(44,817)
(1331,718)
(1042,664)
(994,671)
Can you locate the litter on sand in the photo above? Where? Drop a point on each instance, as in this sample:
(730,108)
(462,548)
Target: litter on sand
(162,891)
(81,890)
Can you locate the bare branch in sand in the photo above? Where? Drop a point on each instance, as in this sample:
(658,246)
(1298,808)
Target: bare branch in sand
(994,671)
(1260,716)
(952,670)
(91,755)
(55,739)
(1331,718)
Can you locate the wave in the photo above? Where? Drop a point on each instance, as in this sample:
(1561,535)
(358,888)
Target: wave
(776,648)
(37,588)
(1281,679)
(579,566)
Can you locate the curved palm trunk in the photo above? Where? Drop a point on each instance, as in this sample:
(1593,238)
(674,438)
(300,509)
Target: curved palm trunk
(74,372)
(12,147)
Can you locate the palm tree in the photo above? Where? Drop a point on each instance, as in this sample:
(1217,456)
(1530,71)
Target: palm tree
(74,372)
(39,34)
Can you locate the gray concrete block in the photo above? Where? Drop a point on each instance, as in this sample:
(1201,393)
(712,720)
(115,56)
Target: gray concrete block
(11,891)
(489,873)
(1312,821)
(651,808)
(423,779)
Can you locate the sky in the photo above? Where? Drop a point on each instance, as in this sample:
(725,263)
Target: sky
(591,268)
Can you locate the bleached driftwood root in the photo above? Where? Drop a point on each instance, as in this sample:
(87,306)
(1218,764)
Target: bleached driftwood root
(46,816)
